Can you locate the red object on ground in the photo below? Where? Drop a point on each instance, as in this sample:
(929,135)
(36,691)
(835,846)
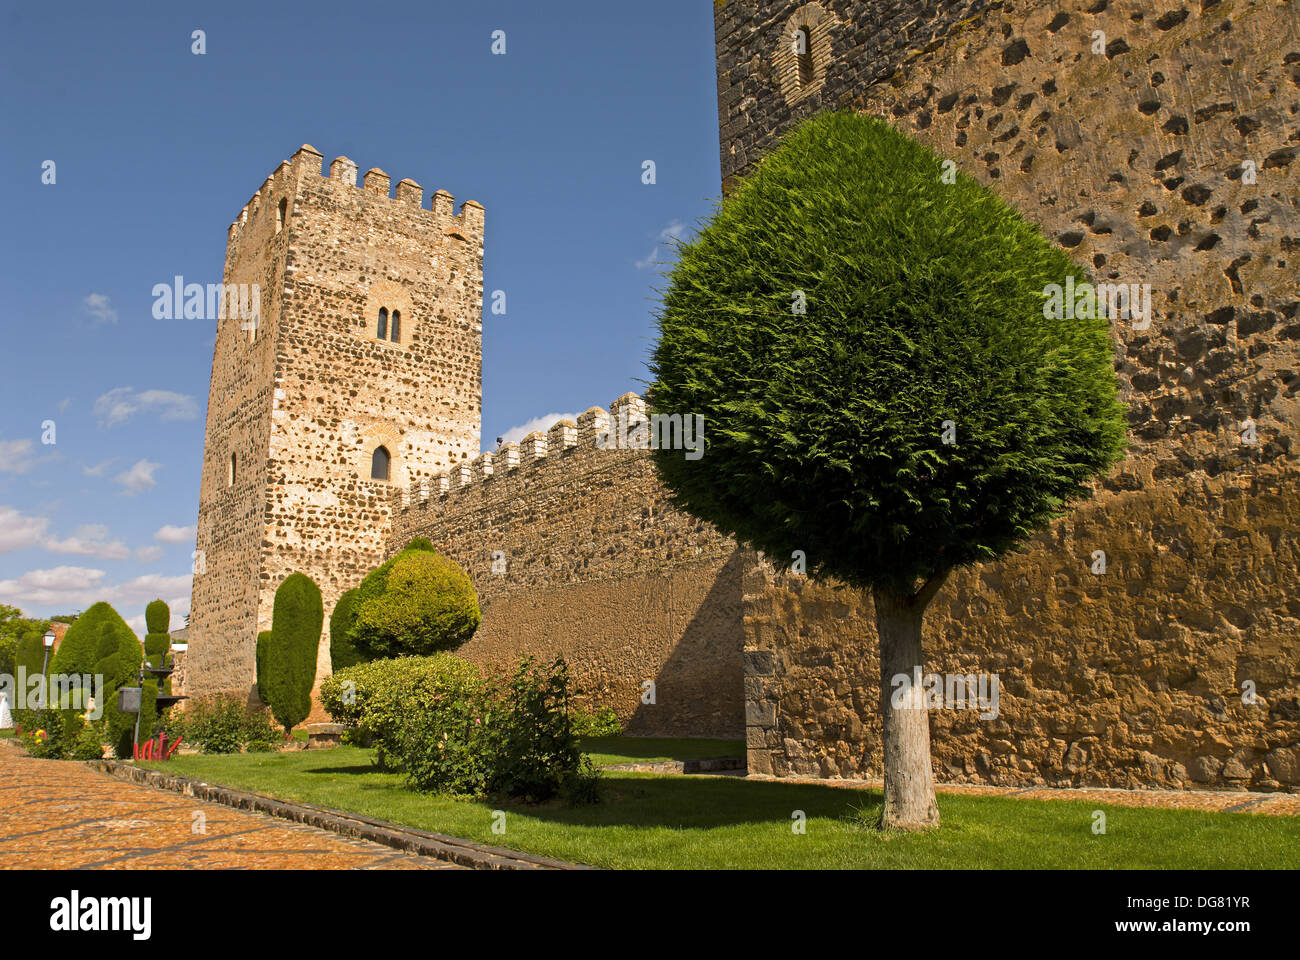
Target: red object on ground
(172,749)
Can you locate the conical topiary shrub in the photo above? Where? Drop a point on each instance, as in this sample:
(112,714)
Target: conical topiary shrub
(289,667)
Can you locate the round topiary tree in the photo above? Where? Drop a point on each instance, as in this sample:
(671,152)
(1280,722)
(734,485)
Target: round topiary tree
(882,386)
(289,666)
(157,640)
(342,653)
(417,603)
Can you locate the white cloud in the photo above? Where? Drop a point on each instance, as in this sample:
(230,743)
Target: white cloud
(122,403)
(15,456)
(149,554)
(18,531)
(139,478)
(69,588)
(676,230)
(97,306)
(52,587)
(90,540)
(170,534)
(542,423)
(98,469)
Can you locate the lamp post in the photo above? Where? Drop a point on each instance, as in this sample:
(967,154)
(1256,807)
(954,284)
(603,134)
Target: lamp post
(48,640)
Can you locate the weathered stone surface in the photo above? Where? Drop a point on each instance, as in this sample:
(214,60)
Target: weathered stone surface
(577,552)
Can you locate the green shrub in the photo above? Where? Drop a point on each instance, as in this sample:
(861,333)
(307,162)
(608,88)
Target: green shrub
(511,737)
(373,698)
(149,720)
(89,744)
(221,724)
(603,723)
(263,645)
(64,729)
(418,603)
(290,669)
(342,653)
(530,742)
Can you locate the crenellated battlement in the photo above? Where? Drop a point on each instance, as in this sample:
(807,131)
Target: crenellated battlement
(308,161)
(564,439)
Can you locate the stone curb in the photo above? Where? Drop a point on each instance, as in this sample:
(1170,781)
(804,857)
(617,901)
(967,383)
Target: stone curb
(706,765)
(420,842)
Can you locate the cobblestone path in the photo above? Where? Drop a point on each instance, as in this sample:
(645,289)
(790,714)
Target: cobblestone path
(64,815)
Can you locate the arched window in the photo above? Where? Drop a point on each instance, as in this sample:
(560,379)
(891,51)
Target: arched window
(379,464)
(279,215)
(803,55)
(383,323)
(396,332)
(230,472)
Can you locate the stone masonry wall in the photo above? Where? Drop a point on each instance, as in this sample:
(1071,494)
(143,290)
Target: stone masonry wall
(334,393)
(575,550)
(1135,160)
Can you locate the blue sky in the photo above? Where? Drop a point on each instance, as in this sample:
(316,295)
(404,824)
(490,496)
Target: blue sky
(155,151)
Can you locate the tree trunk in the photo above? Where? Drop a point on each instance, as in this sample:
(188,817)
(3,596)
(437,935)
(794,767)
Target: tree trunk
(909,782)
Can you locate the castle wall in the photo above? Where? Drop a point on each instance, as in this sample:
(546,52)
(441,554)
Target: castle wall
(575,551)
(336,391)
(1133,161)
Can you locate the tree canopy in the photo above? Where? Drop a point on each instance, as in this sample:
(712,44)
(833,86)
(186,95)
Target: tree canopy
(868,346)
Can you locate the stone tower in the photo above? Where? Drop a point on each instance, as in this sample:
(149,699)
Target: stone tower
(361,373)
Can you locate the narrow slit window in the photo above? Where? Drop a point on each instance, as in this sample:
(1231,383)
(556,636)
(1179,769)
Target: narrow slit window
(379,464)
(395,333)
(230,472)
(803,55)
(279,215)
(383,323)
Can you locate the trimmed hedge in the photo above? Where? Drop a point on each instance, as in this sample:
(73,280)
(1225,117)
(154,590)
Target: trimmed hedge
(263,645)
(290,659)
(157,646)
(416,604)
(342,653)
(100,642)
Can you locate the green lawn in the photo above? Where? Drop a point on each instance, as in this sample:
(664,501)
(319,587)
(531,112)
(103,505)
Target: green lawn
(607,750)
(6,733)
(650,821)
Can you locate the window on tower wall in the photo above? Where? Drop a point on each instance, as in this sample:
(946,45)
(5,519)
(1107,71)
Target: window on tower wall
(395,334)
(803,55)
(279,215)
(230,472)
(383,323)
(379,464)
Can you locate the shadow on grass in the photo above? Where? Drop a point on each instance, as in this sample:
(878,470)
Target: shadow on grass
(350,771)
(686,802)
(678,802)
